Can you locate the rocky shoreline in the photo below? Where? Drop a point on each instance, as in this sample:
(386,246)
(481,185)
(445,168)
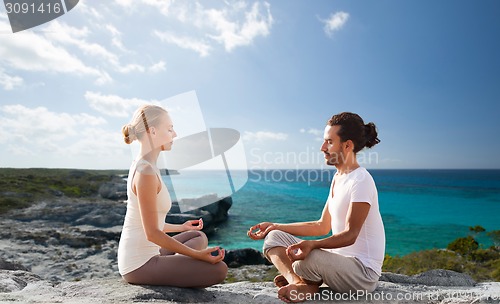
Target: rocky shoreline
(17,286)
(63,250)
(70,239)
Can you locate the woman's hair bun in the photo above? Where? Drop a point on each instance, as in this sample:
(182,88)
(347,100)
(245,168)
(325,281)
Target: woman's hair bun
(128,134)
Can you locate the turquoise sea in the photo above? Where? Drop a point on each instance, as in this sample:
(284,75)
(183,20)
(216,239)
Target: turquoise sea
(421,209)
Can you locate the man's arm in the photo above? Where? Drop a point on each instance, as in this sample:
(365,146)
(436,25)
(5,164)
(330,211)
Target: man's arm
(312,228)
(356,216)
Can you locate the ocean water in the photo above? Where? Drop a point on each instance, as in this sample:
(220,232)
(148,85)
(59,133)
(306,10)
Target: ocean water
(421,209)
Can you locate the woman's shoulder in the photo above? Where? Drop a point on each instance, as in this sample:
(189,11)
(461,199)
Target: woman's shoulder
(144,167)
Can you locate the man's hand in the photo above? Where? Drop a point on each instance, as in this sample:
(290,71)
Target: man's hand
(299,251)
(262,230)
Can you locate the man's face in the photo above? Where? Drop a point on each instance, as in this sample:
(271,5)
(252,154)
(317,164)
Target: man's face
(332,146)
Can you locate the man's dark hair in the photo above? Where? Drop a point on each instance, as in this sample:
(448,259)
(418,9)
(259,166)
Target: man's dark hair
(353,128)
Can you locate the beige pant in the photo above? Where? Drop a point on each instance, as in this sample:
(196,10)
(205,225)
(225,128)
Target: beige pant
(340,273)
(172,269)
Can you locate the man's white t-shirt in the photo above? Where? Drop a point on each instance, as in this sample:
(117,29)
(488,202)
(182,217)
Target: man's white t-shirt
(358,186)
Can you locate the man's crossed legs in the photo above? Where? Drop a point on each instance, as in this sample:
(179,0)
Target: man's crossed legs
(301,278)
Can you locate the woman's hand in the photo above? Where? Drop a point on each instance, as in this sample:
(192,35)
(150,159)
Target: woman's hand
(211,255)
(193,225)
(299,251)
(262,230)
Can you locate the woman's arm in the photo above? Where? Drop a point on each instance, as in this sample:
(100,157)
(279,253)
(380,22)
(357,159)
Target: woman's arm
(188,225)
(147,185)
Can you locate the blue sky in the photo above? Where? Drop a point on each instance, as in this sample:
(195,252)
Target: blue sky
(427,73)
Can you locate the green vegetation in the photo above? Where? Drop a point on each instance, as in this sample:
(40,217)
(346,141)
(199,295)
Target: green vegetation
(465,246)
(19,188)
(477,229)
(495,237)
(464,255)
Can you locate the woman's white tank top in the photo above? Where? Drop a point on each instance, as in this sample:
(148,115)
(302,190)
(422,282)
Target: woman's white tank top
(134,250)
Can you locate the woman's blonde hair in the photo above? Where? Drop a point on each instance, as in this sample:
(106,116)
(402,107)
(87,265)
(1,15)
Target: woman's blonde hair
(145,117)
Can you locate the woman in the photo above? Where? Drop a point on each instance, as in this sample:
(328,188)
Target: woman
(146,254)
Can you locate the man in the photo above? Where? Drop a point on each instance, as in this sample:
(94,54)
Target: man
(351,258)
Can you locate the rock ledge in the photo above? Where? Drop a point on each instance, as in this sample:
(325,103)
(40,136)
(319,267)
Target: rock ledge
(17,286)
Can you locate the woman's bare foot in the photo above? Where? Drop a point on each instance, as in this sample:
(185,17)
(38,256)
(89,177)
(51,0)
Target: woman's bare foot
(280,281)
(293,293)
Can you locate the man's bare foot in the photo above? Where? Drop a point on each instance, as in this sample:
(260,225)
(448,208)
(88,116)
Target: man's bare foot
(293,293)
(280,281)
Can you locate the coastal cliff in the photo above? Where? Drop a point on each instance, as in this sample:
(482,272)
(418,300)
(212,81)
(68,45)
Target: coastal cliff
(46,259)
(74,238)
(61,248)
(17,286)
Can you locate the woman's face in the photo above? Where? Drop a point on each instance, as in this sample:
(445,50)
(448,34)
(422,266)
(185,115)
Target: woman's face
(164,133)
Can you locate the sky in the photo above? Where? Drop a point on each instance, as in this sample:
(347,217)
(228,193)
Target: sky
(427,73)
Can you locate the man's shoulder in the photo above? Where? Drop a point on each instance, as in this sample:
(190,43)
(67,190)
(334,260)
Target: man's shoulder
(360,171)
(361,175)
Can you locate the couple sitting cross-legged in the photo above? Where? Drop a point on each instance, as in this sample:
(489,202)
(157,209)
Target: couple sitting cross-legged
(350,259)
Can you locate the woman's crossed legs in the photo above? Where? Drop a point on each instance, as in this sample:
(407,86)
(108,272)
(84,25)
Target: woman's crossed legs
(178,270)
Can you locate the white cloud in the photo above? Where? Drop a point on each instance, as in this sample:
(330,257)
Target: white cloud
(261,136)
(158,67)
(113,105)
(32,52)
(232,26)
(163,6)
(88,120)
(9,82)
(124,3)
(45,135)
(25,125)
(19,150)
(201,47)
(335,22)
(200,28)
(89,11)
(234,33)
(116,35)
(132,67)
(312,131)
(66,34)
(318,134)
(113,30)
(96,142)
(315,132)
